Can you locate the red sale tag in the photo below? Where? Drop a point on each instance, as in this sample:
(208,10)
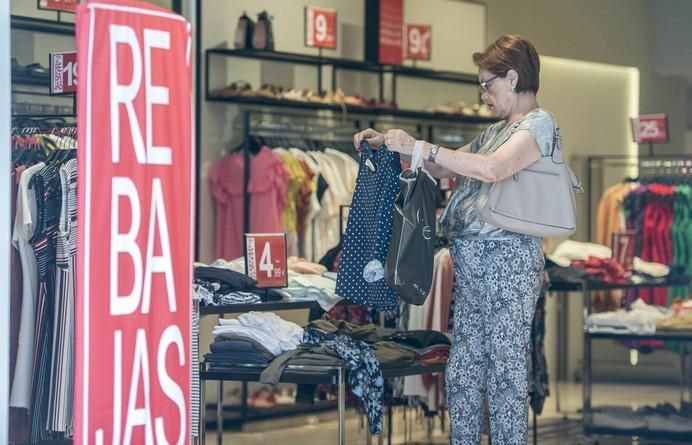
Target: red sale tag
(265,259)
(63,72)
(136,212)
(418,42)
(650,128)
(623,248)
(59,5)
(391,39)
(320,28)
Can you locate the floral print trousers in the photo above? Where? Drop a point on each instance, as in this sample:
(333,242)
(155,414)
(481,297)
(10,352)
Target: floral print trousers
(497,286)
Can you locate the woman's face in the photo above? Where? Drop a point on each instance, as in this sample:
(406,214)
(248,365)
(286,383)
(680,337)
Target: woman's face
(496,92)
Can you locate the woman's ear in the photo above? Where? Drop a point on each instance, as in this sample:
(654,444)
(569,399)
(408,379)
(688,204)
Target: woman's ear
(513,77)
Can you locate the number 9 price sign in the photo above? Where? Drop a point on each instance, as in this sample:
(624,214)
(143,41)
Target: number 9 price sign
(265,259)
(417,42)
(320,28)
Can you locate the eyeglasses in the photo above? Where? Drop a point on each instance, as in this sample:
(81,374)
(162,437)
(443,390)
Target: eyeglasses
(485,85)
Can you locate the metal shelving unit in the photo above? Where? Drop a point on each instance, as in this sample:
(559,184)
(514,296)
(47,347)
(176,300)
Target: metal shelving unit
(344,64)
(681,336)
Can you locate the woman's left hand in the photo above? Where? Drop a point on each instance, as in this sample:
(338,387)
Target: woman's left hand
(399,141)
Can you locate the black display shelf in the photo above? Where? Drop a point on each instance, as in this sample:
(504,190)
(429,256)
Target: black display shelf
(31,79)
(281,305)
(423,73)
(232,415)
(275,56)
(411,114)
(414,370)
(680,335)
(41,25)
(351,64)
(292,374)
(670,281)
(642,434)
(593,285)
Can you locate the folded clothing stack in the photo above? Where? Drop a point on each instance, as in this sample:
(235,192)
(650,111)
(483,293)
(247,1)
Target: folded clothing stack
(640,319)
(429,347)
(266,328)
(233,350)
(218,285)
(606,270)
(679,322)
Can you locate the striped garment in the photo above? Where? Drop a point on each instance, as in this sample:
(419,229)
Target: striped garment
(194,364)
(60,404)
(46,185)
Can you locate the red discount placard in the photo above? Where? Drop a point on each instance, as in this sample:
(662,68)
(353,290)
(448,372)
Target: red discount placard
(63,72)
(650,128)
(320,27)
(391,39)
(265,259)
(623,248)
(134,257)
(58,5)
(418,42)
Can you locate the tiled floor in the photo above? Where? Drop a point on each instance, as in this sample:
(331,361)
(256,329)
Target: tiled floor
(554,428)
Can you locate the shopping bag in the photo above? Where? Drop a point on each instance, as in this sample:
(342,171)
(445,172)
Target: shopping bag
(410,258)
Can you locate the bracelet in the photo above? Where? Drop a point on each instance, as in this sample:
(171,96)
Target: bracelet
(433,153)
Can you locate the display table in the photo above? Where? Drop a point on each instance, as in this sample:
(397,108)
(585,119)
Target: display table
(589,286)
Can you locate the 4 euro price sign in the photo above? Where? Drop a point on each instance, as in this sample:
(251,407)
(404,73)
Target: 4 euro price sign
(265,259)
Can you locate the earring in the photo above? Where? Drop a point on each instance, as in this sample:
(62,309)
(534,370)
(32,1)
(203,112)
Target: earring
(513,87)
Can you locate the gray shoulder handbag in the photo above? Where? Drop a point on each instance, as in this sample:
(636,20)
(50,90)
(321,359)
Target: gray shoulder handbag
(539,200)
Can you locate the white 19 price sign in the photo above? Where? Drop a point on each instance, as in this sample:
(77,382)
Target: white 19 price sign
(320,28)
(417,42)
(63,72)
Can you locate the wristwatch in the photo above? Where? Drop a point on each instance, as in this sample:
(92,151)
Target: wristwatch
(433,153)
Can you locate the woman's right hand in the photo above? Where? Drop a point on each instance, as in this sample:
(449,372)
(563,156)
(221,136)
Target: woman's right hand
(373,137)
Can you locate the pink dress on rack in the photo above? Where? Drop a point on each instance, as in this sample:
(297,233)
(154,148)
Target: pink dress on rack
(268,193)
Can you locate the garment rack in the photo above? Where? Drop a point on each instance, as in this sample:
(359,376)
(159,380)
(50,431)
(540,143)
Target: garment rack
(657,164)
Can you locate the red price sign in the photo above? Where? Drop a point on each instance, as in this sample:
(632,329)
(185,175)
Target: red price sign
(63,72)
(391,39)
(136,214)
(265,259)
(623,248)
(320,28)
(58,5)
(650,128)
(418,42)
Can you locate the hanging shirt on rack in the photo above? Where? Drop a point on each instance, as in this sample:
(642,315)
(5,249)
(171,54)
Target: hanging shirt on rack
(46,184)
(24,227)
(62,363)
(267,188)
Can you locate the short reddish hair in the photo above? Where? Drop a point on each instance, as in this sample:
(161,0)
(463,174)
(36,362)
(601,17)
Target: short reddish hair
(512,52)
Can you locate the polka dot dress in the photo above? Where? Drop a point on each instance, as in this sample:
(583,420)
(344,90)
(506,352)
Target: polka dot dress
(369,230)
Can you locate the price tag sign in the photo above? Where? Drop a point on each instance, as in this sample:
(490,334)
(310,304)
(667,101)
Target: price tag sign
(58,5)
(265,259)
(447,184)
(63,72)
(418,42)
(650,128)
(623,248)
(320,28)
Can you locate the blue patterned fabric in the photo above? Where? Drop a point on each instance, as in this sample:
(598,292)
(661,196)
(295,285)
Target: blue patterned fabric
(497,285)
(365,374)
(369,230)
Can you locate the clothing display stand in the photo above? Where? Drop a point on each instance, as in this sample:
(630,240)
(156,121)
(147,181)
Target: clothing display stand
(293,374)
(681,336)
